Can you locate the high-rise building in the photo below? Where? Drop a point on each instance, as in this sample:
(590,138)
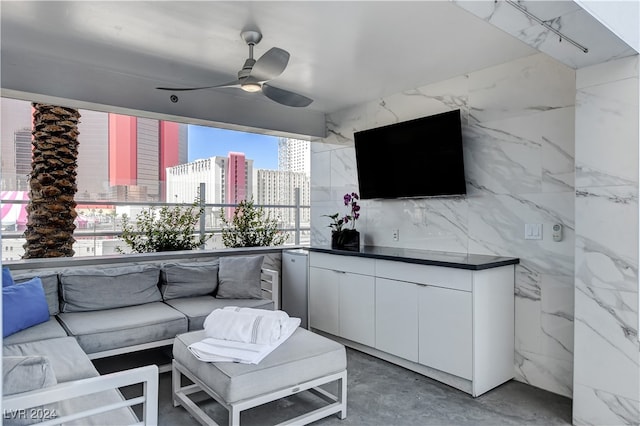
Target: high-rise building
(116,154)
(294,155)
(22,144)
(276,187)
(228,180)
(140,150)
(15,116)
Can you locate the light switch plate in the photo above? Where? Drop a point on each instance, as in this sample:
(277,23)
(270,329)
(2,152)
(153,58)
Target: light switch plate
(533,231)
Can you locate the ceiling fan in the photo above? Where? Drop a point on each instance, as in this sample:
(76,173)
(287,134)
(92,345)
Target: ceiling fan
(255,75)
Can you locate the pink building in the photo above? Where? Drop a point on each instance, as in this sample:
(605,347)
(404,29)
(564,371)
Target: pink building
(140,150)
(236,184)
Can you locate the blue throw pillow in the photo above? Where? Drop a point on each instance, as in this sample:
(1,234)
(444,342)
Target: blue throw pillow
(23,305)
(7,279)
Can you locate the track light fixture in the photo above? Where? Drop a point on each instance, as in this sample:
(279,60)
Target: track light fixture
(546,25)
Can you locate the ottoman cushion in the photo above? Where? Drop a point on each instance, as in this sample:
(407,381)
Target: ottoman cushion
(304,356)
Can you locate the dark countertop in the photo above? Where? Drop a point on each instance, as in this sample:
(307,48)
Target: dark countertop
(474,262)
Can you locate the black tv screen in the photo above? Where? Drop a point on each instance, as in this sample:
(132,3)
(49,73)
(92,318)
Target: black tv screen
(416,158)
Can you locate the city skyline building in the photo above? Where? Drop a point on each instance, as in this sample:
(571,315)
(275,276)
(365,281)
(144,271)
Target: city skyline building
(118,156)
(294,155)
(278,187)
(220,176)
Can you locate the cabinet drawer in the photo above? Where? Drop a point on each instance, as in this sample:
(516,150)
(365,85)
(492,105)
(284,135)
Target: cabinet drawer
(354,264)
(438,276)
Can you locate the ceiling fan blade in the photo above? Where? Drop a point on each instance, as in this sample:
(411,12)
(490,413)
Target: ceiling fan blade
(270,65)
(184,89)
(285,97)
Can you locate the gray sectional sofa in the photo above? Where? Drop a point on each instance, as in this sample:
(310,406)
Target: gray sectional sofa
(103,310)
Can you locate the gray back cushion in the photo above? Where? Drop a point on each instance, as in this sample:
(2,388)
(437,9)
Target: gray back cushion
(189,279)
(50,285)
(239,277)
(94,289)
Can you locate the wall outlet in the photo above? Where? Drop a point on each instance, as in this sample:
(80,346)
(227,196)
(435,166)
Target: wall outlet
(395,234)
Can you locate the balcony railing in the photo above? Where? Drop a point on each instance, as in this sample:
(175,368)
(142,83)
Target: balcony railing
(99,233)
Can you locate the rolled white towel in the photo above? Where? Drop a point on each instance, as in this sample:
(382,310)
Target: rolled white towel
(262,327)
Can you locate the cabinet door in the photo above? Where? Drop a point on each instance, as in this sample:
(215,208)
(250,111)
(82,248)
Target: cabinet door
(324,293)
(397,318)
(357,307)
(445,330)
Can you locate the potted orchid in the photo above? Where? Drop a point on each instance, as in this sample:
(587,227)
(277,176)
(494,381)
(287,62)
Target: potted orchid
(343,235)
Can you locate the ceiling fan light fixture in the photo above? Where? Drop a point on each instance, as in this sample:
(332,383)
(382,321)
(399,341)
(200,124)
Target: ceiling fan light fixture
(251,87)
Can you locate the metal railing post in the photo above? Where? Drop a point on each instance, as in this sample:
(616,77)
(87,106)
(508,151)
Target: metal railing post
(203,216)
(296,196)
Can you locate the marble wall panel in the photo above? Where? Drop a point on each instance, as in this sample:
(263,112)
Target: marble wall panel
(607,240)
(606,340)
(514,89)
(544,372)
(606,347)
(606,120)
(518,132)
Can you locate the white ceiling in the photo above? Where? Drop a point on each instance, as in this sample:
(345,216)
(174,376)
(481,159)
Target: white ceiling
(114,54)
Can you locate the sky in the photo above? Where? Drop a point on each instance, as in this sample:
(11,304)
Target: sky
(205,142)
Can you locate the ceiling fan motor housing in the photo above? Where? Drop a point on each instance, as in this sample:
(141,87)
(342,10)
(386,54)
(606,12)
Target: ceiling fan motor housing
(251,37)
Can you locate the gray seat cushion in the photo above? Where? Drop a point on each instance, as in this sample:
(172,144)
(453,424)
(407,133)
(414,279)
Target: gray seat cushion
(45,330)
(69,362)
(196,309)
(302,357)
(104,330)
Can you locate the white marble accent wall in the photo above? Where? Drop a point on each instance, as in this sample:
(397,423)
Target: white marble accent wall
(518,124)
(607,357)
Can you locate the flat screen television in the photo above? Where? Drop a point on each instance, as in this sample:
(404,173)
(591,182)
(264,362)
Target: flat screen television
(416,158)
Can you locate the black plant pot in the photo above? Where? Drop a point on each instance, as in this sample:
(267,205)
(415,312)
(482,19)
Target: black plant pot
(348,239)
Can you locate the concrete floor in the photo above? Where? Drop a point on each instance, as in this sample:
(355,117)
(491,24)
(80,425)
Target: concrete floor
(380,393)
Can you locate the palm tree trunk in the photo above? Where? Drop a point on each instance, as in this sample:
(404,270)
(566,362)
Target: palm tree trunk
(51,209)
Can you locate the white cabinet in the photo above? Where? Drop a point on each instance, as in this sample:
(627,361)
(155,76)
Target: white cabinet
(397,318)
(445,324)
(342,295)
(324,297)
(453,324)
(357,311)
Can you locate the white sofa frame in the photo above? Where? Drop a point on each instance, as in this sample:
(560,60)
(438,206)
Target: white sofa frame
(148,376)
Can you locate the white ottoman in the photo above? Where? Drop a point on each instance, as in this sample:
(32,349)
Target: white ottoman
(303,362)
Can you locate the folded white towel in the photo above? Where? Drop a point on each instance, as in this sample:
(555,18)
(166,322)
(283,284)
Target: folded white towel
(219,350)
(282,315)
(255,326)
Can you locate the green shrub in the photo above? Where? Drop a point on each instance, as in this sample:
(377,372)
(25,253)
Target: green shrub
(250,226)
(166,229)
